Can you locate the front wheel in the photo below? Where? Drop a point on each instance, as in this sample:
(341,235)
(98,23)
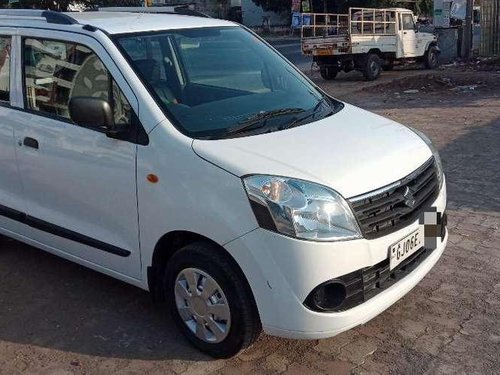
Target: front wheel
(372,67)
(211,301)
(328,73)
(431,60)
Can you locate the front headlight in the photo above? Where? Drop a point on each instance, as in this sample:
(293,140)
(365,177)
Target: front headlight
(435,152)
(300,209)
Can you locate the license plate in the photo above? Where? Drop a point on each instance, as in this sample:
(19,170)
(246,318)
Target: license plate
(323,52)
(404,248)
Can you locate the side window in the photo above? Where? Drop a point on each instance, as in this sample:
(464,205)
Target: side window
(408,22)
(56,71)
(5,69)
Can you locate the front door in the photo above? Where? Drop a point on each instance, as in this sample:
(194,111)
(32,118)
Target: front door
(80,185)
(407,35)
(11,190)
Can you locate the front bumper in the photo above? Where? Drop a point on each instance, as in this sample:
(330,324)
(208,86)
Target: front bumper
(282,271)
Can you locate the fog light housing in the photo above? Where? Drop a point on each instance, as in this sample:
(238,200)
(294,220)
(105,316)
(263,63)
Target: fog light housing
(327,296)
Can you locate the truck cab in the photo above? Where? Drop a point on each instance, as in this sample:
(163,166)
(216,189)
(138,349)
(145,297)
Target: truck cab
(411,42)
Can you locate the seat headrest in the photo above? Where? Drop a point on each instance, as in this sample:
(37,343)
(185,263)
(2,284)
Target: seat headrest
(149,68)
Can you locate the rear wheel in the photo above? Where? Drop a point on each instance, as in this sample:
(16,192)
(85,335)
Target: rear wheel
(328,73)
(210,301)
(431,60)
(371,67)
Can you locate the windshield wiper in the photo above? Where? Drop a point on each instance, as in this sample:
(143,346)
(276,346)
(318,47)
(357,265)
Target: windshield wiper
(313,113)
(260,120)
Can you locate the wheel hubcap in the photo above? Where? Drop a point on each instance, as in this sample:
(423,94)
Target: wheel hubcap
(202,305)
(374,67)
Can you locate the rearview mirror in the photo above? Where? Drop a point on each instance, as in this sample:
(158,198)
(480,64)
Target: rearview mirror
(189,44)
(93,113)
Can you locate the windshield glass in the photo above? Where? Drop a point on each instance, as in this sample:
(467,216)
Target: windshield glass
(223,82)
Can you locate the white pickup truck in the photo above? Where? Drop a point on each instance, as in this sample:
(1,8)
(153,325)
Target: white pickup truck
(367,40)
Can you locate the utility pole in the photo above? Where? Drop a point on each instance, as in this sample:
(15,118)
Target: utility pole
(469,10)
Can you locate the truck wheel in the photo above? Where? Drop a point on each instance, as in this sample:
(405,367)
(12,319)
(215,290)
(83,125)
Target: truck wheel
(211,301)
(431,60)
(371,67)
(328,73)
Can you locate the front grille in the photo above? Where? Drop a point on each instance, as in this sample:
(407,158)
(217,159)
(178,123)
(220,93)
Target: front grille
(391,208)
(368,282)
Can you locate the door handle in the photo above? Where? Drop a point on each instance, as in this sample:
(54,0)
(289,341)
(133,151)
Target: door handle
(30,142)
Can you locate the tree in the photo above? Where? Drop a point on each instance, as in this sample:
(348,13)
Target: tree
(277,6)
(425,7)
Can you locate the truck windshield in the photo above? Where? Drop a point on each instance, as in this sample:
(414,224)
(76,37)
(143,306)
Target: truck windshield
(223,82)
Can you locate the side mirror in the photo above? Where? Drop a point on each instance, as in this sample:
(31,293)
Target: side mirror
(93,113)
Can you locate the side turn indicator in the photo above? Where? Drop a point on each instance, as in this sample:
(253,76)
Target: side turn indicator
(153,178)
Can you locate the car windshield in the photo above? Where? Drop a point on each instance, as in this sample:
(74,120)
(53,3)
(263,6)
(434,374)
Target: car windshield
(223,82)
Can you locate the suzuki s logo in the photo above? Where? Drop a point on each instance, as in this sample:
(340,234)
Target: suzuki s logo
(409,197)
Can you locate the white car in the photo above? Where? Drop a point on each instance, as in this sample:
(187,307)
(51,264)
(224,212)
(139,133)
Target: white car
(185,156)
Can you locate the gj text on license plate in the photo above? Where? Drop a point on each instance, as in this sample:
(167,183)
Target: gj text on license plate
(404,248)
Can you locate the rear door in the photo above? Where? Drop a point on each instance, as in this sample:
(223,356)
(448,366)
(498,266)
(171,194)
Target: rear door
(80,185)
(407,35)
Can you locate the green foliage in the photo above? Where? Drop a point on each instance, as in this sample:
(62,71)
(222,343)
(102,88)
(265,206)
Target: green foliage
(277,6)
(425,7)
(63,5)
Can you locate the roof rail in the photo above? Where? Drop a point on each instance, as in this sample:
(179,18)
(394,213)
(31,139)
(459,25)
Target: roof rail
(184,10)
(50,16)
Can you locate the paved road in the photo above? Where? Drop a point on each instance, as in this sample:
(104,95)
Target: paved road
(290,48)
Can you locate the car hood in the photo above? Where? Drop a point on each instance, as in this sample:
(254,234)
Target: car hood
(352,151)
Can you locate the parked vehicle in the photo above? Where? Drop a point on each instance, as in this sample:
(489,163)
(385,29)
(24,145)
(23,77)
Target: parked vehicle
(185,156)
(366,39)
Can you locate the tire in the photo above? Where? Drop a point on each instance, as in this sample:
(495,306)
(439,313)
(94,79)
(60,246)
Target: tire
(388,66)
(371,67)
(328,73)
(431,58)
(238,324)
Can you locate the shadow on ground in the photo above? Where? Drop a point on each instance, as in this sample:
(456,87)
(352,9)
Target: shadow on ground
(50,302)
(472,165)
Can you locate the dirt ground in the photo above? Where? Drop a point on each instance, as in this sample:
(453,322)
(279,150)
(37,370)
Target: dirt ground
(59,318)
